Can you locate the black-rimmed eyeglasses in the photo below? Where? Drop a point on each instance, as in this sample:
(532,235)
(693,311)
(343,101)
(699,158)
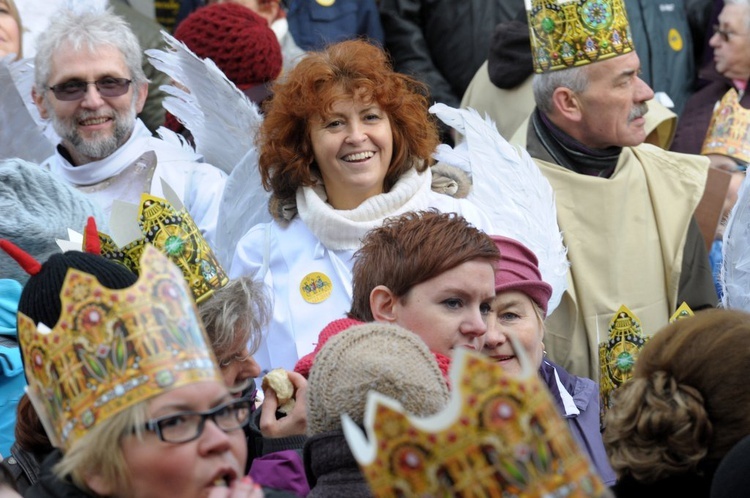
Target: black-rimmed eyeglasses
(724,34)
(76,89)
(186,426)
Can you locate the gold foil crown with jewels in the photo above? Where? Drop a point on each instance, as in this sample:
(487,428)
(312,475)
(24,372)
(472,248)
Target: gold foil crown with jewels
(166,224)
(111,349)
(618,353)
(569,33)
(499,435)
(729,131)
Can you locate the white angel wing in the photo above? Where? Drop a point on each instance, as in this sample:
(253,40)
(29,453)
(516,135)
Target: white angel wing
(224,123)
(24,131)
(221,118)
(735,267)
(510,189)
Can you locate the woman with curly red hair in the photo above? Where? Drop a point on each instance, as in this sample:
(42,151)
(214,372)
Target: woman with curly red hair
(346,142)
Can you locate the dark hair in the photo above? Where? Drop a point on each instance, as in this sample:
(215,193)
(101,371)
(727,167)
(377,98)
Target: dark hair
(348,69)
(409,249)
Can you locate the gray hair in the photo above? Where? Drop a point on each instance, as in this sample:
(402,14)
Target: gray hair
(545,84)
(236,312)
(90,30)
(746,3)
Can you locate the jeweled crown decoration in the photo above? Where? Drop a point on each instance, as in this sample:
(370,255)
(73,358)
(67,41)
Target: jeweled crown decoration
(171,230)
(729,131)
(111,349)
(683,311)
(569,33)
(498,436)
(617,354)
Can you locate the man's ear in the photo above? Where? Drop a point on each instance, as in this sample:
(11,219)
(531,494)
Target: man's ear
(142,96)
(39,101)
(383,304)
(98,485)
(567,104)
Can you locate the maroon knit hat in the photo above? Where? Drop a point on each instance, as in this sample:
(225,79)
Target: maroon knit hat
(237,39)
(518,270)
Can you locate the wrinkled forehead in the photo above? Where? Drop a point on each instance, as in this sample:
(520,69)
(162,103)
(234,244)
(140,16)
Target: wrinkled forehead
(86,63)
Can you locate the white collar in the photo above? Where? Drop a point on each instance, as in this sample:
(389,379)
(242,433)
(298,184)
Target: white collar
(566,397)
(344,229)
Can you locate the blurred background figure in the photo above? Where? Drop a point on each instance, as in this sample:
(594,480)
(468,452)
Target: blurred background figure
(317,23)
(684,409)
(11,30)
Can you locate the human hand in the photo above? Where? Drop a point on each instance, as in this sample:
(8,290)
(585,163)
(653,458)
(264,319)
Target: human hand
(240,488)
(295,422)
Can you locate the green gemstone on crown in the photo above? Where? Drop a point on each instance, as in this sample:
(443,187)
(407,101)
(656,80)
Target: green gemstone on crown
(625,362)
(174,245)
(548,25)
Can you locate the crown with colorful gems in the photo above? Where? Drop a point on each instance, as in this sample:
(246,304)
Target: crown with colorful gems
(498,436)
(729,131)
(618,353)
(166,224)
(569,33)
(111,348)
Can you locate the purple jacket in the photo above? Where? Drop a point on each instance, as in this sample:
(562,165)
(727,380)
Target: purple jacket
(578,401)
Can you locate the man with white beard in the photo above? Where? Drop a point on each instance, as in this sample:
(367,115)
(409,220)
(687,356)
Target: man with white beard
(89,82)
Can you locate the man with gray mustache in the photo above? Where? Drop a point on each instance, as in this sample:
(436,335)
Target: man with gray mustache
(625,208)
(90,84)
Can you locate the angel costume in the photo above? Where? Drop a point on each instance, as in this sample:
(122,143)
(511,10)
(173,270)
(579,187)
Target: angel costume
(631,239)
(307,263)
(130,171)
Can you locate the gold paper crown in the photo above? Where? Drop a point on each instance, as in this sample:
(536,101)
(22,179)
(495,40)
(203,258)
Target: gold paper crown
(111,348)
(568,33)
(618,353)
(729,131)
(167,225)
(684,311)
(498,436)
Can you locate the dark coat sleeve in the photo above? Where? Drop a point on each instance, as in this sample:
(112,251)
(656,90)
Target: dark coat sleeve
(696,281)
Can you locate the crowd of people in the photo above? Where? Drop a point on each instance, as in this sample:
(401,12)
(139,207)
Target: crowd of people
(132,360)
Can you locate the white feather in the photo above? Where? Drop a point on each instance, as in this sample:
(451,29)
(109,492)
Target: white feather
(735,268)
(221,118)
(224,124)
(24,132)
(509,187)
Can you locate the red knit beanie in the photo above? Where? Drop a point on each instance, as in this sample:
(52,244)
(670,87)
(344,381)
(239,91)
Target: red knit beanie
(237,39)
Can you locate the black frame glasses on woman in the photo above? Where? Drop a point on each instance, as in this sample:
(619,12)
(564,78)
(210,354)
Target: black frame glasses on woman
(76,89)
(186,426)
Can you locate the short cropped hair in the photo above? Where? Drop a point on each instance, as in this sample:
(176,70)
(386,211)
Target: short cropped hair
(347,69)
(544,85)
(688,403)
(410,249)
(91,31)
(235,313)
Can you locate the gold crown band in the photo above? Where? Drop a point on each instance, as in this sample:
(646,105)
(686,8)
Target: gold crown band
(729,131)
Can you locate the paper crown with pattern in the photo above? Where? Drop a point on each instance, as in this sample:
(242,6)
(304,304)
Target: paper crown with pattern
(166,224)
(498,436)
(617,354)
(111,348)
(729,131)
(683,311)
(569,33)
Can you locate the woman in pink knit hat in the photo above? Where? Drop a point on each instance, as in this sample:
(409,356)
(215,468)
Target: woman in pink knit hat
(519,309)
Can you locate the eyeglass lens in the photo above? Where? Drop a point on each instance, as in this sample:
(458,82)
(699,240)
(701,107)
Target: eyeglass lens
(186,426)
(724,34)
(76,89)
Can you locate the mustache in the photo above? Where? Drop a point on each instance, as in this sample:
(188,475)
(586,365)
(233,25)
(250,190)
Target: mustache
(638,111)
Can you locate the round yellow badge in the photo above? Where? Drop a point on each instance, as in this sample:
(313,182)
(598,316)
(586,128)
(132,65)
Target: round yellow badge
(326,3)
(316,287)
(675,40)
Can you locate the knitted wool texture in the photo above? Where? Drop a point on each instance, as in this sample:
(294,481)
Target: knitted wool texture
(378,357)
(237,39)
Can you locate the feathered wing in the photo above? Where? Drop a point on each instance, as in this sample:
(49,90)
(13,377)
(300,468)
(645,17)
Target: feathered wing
(224,124)
(509,187)
(25,134)
(735,268)
(221,118)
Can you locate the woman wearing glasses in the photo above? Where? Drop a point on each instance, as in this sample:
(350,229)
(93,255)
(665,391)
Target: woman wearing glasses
(128,393)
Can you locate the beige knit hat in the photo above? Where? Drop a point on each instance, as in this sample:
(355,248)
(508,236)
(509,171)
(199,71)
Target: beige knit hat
(376,356)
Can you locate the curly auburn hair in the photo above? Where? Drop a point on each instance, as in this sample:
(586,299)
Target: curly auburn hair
(687,404)
(343,70)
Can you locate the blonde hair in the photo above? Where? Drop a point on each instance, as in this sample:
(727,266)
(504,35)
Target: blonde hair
(99,452)
(16,17)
